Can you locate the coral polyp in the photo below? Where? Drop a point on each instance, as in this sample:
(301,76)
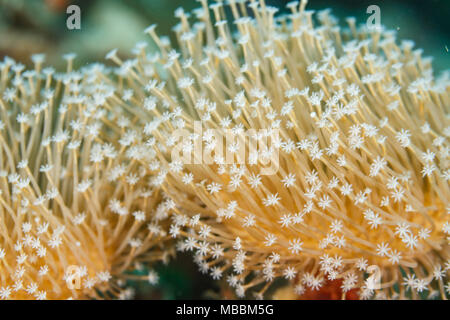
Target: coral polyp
(334,170)
(75,213)
(359,128)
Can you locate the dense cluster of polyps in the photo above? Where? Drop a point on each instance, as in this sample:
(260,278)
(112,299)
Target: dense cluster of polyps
(75,212)
(358,130)
(361,140)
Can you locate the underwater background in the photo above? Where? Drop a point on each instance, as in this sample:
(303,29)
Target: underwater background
(39,26)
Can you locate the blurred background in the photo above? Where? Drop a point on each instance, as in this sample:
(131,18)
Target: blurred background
(35,26)
(39,26)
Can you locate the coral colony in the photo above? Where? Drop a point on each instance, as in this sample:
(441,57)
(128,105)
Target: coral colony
(92,173)
(71,195)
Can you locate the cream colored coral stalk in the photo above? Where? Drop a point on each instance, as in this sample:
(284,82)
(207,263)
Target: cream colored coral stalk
(363,149)
(76,213)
